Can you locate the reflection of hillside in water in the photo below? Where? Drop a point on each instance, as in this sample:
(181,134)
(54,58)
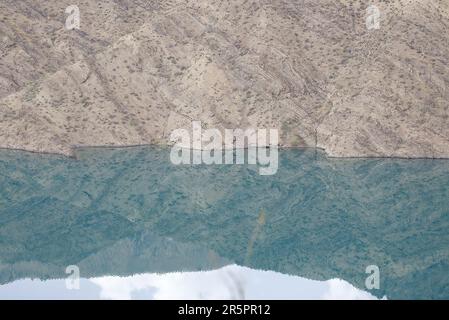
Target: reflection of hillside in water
(126,211)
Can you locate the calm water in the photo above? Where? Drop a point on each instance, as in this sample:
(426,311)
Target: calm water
(129,220)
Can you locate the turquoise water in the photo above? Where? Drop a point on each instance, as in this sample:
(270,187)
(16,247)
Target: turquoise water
(129,211)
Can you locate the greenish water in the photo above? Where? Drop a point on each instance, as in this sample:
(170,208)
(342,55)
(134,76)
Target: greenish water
(130,211)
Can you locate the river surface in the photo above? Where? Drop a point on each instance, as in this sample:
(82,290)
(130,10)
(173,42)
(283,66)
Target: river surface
(135,226)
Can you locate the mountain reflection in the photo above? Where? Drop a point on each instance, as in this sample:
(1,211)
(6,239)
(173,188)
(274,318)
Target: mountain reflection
(120,212)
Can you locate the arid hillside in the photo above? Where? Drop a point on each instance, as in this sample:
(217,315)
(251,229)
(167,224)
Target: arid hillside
(137,69)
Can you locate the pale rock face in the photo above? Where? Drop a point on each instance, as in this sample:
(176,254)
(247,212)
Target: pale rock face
(137,70)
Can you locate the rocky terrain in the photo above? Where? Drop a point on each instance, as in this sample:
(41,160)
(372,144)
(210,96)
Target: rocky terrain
(136,70)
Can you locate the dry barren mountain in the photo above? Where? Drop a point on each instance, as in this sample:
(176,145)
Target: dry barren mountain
(138,69)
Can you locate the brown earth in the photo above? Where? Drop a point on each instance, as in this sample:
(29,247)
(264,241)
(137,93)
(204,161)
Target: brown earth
(136,70)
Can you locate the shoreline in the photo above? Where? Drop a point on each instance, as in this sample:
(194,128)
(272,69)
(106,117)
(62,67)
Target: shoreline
(74,149)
